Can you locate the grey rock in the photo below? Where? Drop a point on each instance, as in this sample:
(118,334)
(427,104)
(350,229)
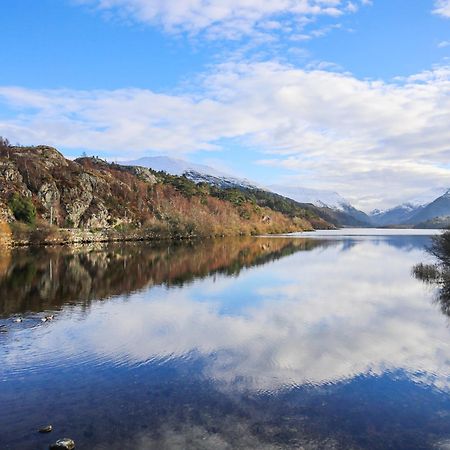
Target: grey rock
(63,444)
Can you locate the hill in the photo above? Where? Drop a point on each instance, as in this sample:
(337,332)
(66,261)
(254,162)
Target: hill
(42,190)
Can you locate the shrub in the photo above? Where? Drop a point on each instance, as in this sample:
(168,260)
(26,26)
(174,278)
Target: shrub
(23,209)
(426,272)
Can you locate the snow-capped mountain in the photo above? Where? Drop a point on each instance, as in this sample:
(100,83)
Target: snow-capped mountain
(320,198)
(438,211)
(341,208)
(198,173)
(174,166)
(395,216)
(428,196)
(425,210)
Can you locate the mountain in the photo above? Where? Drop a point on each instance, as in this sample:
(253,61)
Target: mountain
(436,211)
(326,204)
(425,211)
(337,208)
(320,198)
(401,214)
(198,173)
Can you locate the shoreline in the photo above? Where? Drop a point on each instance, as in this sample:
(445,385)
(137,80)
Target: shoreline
(67,236)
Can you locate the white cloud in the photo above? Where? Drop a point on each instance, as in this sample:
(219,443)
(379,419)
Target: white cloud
(444,44)
(224,18)
(442,7)
(371,141)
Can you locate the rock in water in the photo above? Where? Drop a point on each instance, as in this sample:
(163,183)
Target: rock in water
(46,429)
(63,444)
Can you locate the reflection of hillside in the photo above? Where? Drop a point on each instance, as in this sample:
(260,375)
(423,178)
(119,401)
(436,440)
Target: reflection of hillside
(46,278)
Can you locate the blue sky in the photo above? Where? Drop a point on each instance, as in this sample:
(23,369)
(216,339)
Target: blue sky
(352,96)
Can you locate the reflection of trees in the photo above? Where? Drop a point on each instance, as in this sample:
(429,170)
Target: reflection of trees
(46,278)
(438,274)
(439,277)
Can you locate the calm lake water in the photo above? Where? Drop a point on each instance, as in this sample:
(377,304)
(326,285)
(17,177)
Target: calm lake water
(317,342)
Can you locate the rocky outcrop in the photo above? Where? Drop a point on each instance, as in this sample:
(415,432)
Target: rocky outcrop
(142,173)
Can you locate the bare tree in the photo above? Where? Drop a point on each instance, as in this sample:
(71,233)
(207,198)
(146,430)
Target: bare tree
(4,146)
(440,248)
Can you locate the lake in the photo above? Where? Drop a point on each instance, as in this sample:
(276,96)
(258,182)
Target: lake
(316,341)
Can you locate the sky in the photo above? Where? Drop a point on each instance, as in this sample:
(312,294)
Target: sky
(345,95)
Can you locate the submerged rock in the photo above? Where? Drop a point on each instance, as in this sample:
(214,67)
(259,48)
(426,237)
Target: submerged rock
(46,429)
(63,444)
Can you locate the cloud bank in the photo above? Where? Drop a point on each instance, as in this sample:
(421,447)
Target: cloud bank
(373,141)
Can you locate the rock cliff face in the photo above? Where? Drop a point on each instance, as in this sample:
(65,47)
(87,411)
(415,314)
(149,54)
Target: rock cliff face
(91,194)
(71,194)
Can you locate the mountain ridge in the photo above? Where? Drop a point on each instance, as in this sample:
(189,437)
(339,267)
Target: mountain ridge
(434,214)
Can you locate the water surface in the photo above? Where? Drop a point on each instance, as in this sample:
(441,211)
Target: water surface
(323,341)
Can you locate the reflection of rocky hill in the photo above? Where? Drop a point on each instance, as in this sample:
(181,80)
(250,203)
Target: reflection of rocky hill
(47,278)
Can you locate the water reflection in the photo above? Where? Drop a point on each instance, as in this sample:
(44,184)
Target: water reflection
(253,343)
(438,279)
(39,279)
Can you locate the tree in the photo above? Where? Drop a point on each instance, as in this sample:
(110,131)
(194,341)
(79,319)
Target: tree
(23,209)
(440,248)
(4,143)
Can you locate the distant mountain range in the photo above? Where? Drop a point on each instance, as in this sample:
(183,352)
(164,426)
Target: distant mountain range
(431,210)
(431,214)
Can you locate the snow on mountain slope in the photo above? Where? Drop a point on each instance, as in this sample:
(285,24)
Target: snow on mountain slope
(413,211)
(173,166)
(224,182)
(427,197)
(395,216)
(438,208)
(198,173)
(336,206)
(321,198)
